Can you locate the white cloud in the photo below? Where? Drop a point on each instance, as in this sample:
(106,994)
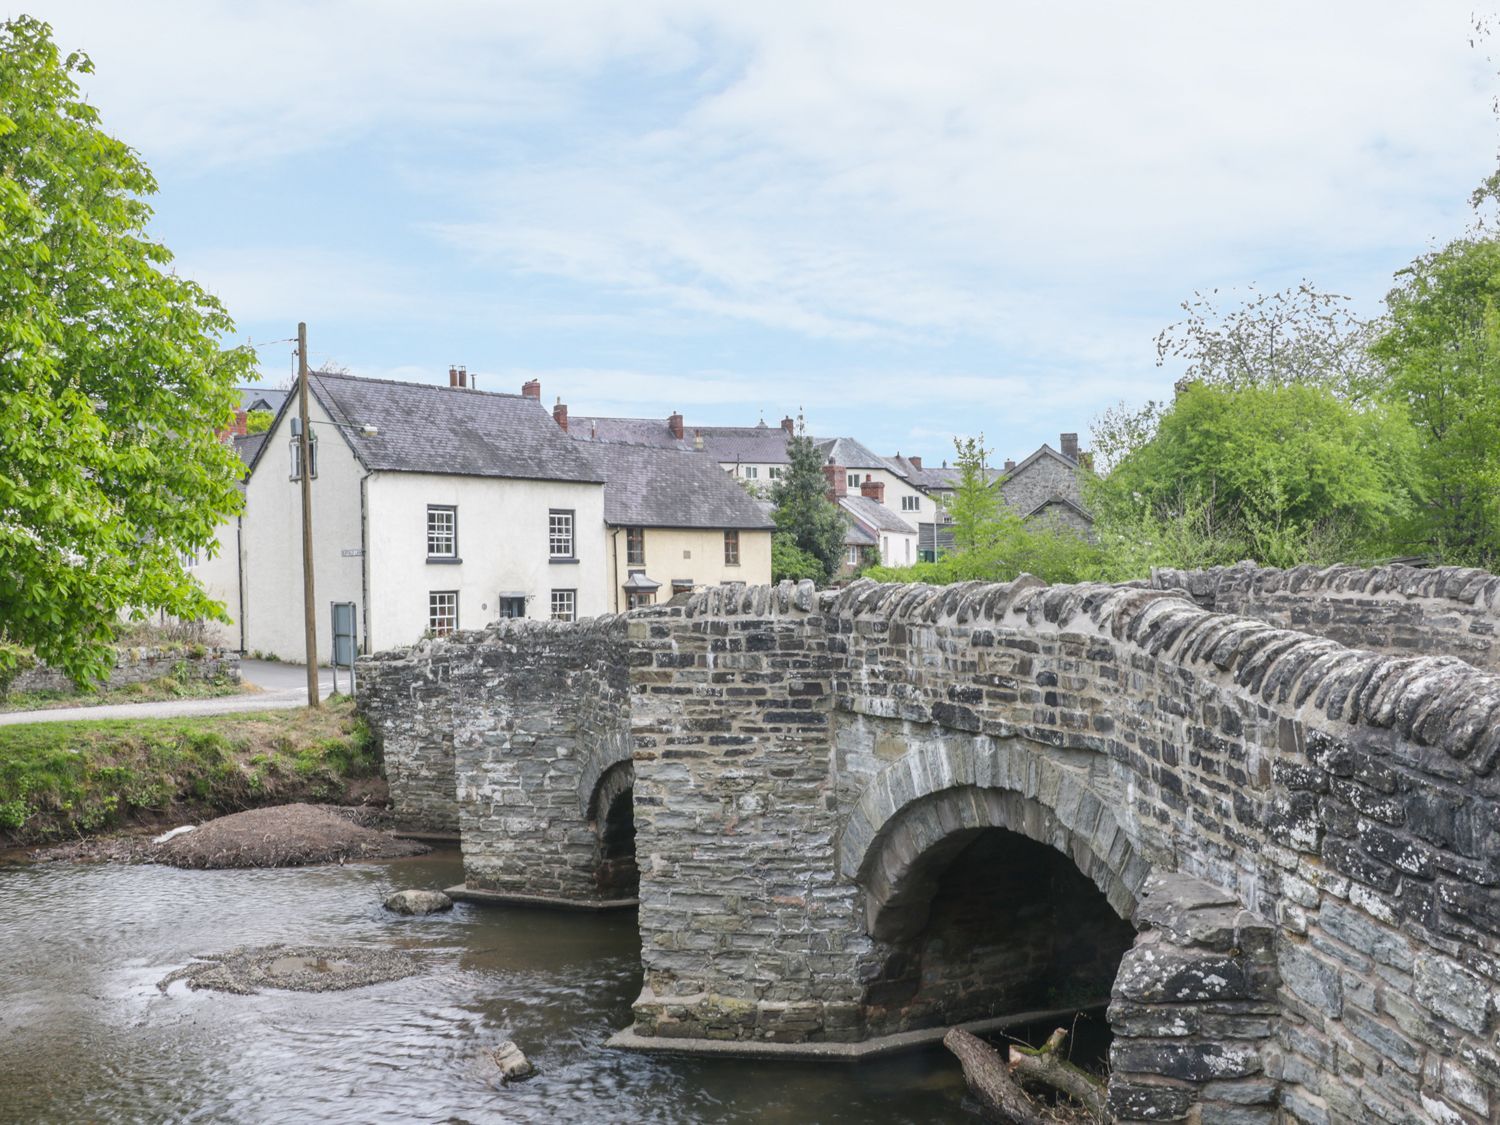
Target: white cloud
(1021,193)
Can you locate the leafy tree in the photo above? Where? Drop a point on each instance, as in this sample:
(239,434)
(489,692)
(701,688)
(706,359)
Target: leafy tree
(978,513)
(1294,337)
(258,421)
(1442,348)
(1284,474)
(790,561)
(112,383)
(805,518)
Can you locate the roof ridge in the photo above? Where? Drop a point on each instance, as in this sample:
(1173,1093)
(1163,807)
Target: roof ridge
(408,383)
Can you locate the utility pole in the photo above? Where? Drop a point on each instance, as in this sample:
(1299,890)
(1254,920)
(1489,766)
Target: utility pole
(304,453)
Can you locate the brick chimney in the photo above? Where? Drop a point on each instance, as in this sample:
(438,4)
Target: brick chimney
(674,423)
(788,425)
(1070,446)
(560,415)
(838,481)
(873,490)
(1010,466)
(532,388)
(916,462)
(458,376)
(241,423)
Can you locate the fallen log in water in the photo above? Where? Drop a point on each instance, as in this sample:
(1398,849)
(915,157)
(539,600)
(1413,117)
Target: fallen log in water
(990,1081)
(1045,1066)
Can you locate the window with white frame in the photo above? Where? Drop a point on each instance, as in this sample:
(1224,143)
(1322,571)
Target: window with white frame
(911,503)
(560,535)
(635,546)
(442,612)
(732,547)
(853,556)
(564,605)
(775,472)
(853,480)
(442,531)
(312,456)
(752,472)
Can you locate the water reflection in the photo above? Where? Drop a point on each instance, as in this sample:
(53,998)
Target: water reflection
(86,1035)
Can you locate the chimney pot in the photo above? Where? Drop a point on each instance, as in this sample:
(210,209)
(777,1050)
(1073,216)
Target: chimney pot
(838,481)
(452,376)
(916,462)
(532,388)
(873,490)
(674,423)
(1070,446)
(698,440)
(560,415)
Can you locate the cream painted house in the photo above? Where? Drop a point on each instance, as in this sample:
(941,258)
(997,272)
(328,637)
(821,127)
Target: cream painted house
(462,507)
(676,522)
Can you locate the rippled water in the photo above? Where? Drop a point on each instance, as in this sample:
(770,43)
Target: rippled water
(85,1035)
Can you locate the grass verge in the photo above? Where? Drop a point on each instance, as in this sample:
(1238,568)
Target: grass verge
(71,778)
(146,691)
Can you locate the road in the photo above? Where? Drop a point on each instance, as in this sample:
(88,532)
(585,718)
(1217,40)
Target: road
(281,686)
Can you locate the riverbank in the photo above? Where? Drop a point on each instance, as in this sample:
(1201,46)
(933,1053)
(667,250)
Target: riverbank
(82,777)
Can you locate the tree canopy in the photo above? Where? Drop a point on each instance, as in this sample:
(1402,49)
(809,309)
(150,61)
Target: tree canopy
(1282,474)
(1441,348)
(112,379)
(809,526)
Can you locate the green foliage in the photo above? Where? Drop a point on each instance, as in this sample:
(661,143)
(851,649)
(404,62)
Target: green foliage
(112,382)
(1049,551)
(805,518)
(258,421)
(1282,473)
(788,561)
(1442,348)
(980,517)
(59,779)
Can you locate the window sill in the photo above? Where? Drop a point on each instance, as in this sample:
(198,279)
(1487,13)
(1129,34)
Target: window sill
(565,562)
(443,560)
(731,564)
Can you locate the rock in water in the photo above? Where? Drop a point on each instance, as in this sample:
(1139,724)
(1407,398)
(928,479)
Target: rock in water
(513,1065)
(419,902)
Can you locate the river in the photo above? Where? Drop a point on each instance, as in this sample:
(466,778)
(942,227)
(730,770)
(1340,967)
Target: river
(86,1035)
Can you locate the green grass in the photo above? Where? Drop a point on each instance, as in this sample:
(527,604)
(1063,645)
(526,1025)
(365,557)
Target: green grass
(76,777)
(147,691)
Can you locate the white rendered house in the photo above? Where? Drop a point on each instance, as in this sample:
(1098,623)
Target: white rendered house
(461,508)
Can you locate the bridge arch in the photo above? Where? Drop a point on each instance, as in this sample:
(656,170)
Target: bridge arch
(966,783)
(611,817)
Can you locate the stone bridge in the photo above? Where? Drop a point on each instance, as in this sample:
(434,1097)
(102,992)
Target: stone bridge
(851,817)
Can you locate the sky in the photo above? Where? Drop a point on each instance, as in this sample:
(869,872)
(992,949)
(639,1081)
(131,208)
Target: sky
(906,221)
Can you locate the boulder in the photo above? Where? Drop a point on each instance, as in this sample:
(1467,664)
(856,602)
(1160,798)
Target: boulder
(418,902)
(513,1065)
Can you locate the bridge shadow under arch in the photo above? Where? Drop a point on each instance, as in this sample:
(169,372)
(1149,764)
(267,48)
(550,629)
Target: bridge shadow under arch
(995,882)
(611,817)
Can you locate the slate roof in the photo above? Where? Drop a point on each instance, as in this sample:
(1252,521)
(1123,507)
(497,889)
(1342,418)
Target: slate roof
(646,486)
(857,536)
(764,445)
(272,397)
(248,447)
(850,454)
(874,514)
(424,428)
(634,431)
(925,478)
